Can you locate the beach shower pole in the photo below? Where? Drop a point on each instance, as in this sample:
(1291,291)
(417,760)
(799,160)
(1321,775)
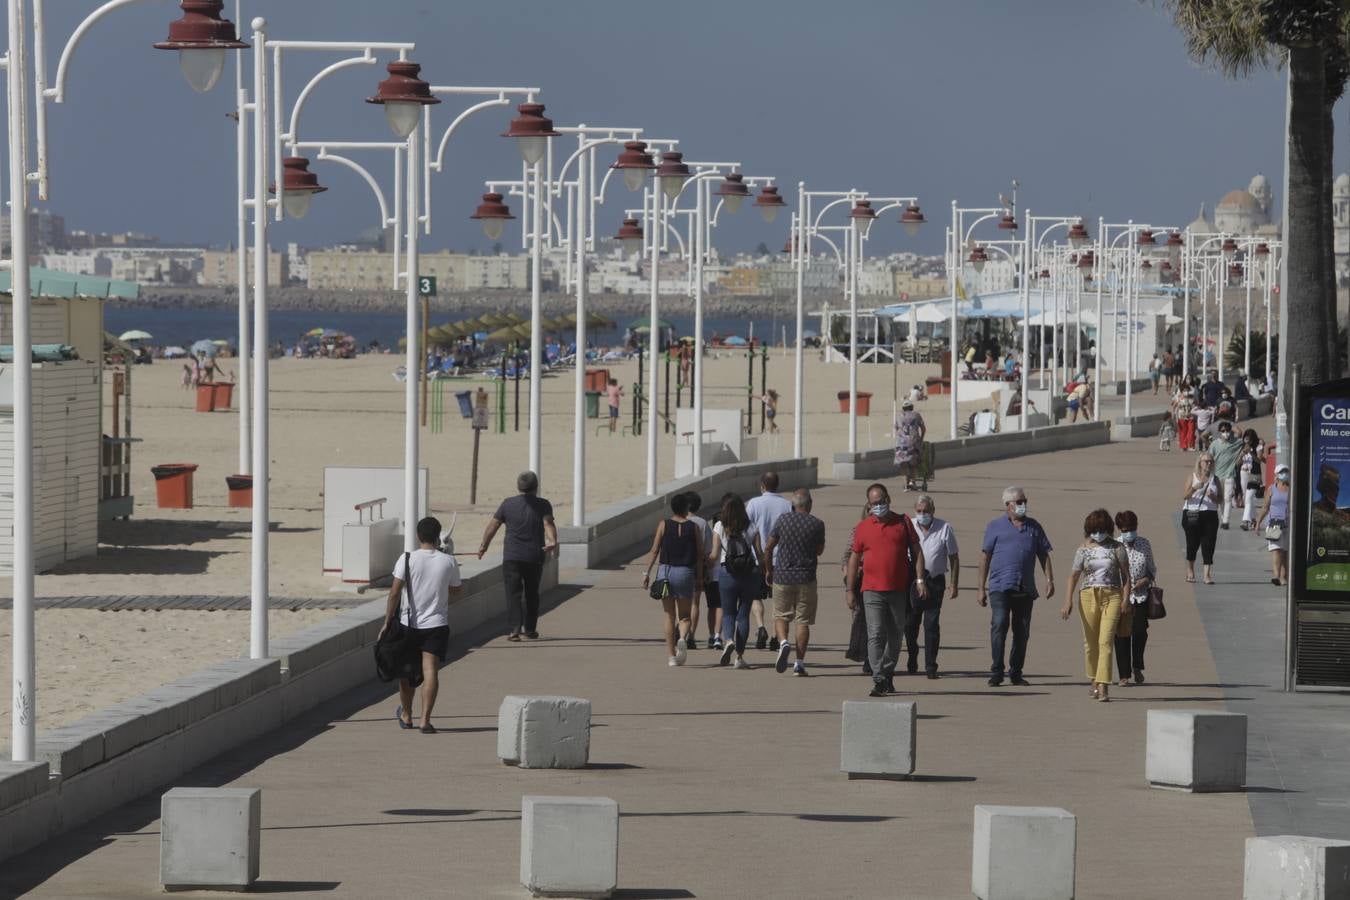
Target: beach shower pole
(653,333)
(798,247)
(241,266)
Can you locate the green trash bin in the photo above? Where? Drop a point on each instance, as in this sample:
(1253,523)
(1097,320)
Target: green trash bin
(592,404)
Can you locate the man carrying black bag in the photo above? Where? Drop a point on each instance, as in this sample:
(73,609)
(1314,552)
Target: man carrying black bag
(412,646)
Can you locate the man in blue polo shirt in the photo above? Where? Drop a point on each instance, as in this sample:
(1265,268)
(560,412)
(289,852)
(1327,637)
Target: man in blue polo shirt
(1013,543)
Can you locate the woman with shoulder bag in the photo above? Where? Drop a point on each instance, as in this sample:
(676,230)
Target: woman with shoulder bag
(736,551)
(1132,632)
(1100,571)
(678,545)
(1275,513)
(1200,498)
(1249,470)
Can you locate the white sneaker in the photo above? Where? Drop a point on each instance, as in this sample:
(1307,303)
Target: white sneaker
(681,652)
(784,649)
(740,663)
(672,662)
(727,653)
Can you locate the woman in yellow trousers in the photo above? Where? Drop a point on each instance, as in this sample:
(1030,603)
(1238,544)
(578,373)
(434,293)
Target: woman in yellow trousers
(1100,567)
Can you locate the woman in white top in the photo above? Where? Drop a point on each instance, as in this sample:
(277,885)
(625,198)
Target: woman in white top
(1200,497)
(1132,633)
(1100,571)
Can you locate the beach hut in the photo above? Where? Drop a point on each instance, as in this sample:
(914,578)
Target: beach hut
(93,478)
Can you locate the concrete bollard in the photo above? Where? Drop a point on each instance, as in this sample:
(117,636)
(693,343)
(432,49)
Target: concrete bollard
(877,739)
(209,838)
(1196,750)
(1024,853)
(1290,867)
(569,846)
(544,732)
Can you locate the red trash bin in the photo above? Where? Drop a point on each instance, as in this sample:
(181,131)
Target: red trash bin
(206,397)
(173,485)
(240,489)
(223,395)
(597,379)
(864,403)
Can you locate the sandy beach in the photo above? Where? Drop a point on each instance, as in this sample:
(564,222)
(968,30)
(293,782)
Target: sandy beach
(347,412)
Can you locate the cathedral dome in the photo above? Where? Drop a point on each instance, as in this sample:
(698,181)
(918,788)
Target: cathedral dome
(1238,201)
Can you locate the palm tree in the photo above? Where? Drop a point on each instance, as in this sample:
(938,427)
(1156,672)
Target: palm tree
(1308,36)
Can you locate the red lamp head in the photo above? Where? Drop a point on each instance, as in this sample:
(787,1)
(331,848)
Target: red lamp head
(299,185)
(403,94)
(531,129)
(911,219)
(1229,247)
(201,38)
(977,258)
(769,202)
(630,235)
(863,215)
(634,161)
(1262,249)
(1007,223)
(1175,239)
(1078,234)
(672,173)
(1087,260)
(493,213)
(1144,240)
(733,191)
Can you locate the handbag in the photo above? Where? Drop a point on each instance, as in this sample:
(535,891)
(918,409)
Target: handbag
(659,589)
(1154,608)
(398,653)
(1274,531)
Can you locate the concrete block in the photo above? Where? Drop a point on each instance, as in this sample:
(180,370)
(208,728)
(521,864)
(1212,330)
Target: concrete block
(544,732)
(569,846)
(71,749)
(877,739)
(1024,853)
(209,838)
(1196,750)
(22,781)
(1290,867)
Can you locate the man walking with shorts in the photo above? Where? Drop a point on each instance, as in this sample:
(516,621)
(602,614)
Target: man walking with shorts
(432,578)
(796,541)
(764,511)
(530,538)
(615,394)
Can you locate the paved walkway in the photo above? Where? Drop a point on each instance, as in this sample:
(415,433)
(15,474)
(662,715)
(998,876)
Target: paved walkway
(728,781)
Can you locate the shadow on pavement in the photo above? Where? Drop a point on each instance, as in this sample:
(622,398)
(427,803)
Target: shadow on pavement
(292,887)
(651,894)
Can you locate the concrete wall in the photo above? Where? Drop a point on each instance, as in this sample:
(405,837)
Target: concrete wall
(622,526)
(125,751)
(970,450)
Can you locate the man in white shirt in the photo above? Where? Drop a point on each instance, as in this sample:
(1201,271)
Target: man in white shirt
(942,564)
(764,511)
(433,581)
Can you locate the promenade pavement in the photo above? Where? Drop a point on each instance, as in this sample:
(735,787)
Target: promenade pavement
(728,780)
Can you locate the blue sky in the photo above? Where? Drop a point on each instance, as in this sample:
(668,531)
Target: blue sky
(1093,107)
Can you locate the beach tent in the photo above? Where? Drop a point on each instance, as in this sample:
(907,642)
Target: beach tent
(174,352)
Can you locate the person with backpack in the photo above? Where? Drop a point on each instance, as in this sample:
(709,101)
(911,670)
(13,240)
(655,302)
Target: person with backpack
(736,551)
(678,546)
(425,580)
(894,562)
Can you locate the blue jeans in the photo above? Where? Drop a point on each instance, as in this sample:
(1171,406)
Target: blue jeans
(1005,611)
(737,593)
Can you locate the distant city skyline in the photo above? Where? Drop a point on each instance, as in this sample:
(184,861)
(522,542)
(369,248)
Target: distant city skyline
(943,101)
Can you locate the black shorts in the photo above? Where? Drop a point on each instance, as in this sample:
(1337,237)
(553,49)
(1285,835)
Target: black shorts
(713,594)
(613,412)
(435,641)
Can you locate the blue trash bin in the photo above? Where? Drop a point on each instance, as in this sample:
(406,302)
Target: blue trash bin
(465,403)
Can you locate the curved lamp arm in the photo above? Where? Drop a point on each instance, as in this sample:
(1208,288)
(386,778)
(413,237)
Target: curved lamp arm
(367,59)
(838,254)
(852,197)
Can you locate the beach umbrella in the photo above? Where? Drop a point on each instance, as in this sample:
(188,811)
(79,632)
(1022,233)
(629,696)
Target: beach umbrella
(174,352)
(135,334)
(315,332)
(221,342)
(642,325)
(595,320)
(204,346)
(734,341)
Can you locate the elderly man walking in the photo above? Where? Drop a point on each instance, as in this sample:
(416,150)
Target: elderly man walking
(1013,544)
(894,558)
(530,537)
(764,511)
(797,540)
(942,564)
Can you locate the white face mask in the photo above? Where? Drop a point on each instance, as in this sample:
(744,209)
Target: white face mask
(1099,536)
(1129,536)
(1020,511)
(880,509)
(924,519)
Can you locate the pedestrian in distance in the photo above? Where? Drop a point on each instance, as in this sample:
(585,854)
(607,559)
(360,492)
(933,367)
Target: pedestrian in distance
(678,547)
(1201,494)
(1166,432)
(764,511)
(1227,452)
(1100,574)
(910,432)
(1013,544)
(530,537)
(1250,465)
(894,560)
(1275,513)
(615,395)
(1132,632)
(710,594)
(770,401)
(794,545)
(736,552)
(942,564)
(429,579)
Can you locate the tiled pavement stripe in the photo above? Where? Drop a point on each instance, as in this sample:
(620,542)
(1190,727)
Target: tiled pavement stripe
(199,602)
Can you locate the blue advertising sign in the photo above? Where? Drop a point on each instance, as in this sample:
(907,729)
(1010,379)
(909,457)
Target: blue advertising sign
(1328,560)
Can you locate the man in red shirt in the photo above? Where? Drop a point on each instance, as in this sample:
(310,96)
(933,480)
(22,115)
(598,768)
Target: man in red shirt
(894,561)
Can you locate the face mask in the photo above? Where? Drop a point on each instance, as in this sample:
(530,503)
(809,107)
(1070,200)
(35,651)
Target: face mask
(880,509)
(1282,478)
(1020,511)
(1129,536)
(1226,435)
(924,519)
(1099,536)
